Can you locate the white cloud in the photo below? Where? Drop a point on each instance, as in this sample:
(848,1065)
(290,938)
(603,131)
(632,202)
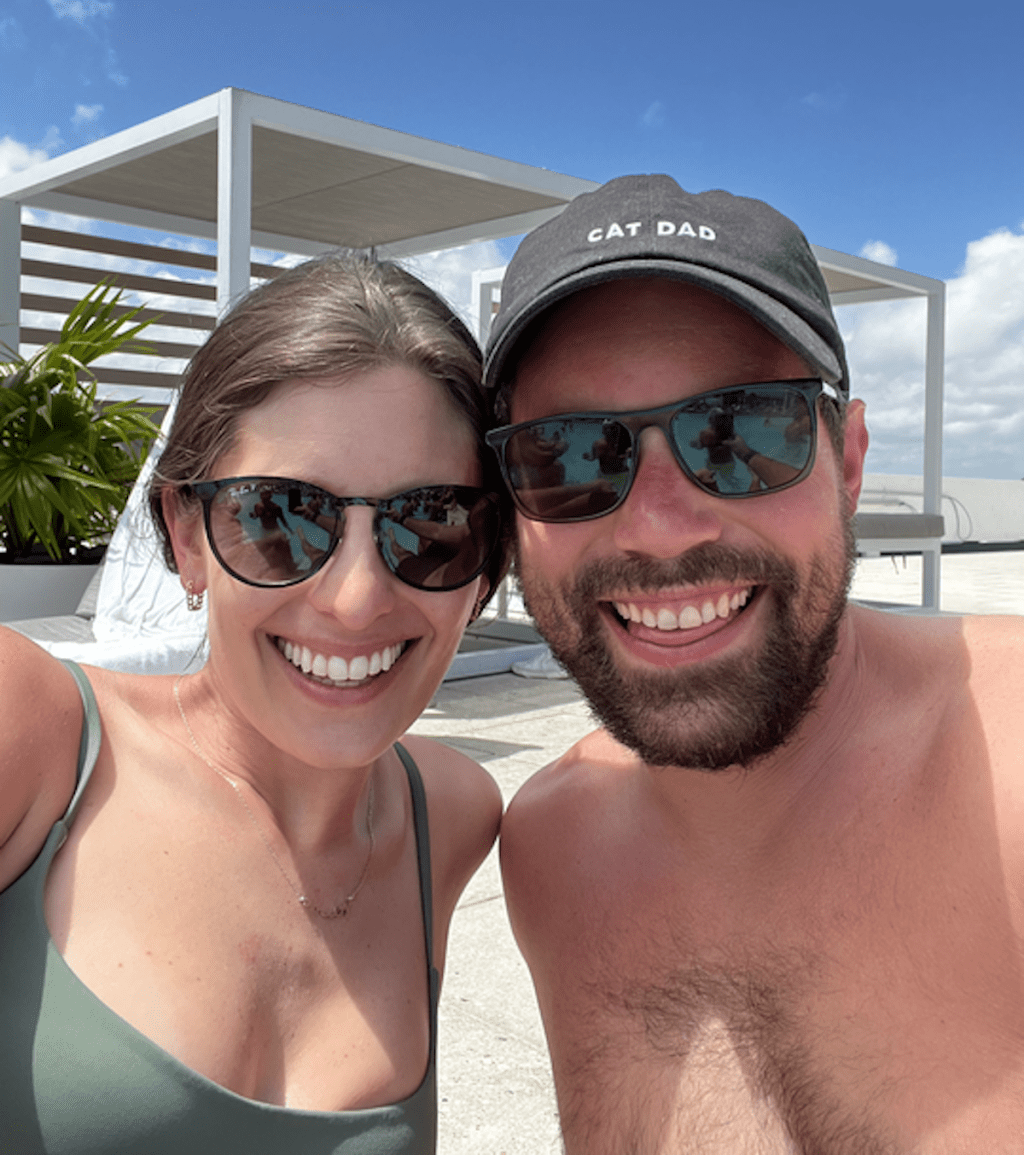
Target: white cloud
(984,368)
(85,114)
(53,141)
(81,10)
(450,273)
(16,157)
(11,34)
(881,252)
(654,115)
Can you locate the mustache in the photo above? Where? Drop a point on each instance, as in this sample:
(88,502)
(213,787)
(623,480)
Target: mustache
(703,564)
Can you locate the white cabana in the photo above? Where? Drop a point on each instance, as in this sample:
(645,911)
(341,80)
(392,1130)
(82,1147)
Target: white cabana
(245,170)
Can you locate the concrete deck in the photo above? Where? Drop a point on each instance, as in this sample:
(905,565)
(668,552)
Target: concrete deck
(494,1080)
(496,1095)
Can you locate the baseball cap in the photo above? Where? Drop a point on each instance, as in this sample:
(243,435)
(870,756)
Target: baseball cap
(647,226)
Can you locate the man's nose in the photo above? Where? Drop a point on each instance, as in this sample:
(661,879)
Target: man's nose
(665,513)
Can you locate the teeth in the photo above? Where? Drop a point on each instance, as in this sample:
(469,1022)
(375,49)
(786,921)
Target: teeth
(689,617)
(667,620)
(337,670)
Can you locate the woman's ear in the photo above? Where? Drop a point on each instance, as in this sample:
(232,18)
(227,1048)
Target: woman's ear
(184,521)
(483,592)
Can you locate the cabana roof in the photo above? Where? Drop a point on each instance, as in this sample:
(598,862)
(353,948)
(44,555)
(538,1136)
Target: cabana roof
(317,180)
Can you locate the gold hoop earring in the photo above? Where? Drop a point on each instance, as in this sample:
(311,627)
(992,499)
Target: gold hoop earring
(193,600)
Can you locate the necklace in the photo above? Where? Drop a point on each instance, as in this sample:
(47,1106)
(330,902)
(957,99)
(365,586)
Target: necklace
(304,900)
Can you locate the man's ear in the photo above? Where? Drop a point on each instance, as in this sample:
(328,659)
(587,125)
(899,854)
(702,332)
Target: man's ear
(855,447)
(184,521)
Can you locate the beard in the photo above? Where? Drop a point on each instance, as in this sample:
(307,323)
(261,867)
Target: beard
(730,711)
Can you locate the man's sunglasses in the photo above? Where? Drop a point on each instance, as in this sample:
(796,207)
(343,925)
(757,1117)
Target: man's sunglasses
(736,442)
(274,531)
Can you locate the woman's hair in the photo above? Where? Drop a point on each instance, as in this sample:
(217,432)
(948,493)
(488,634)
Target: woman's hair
(334,316)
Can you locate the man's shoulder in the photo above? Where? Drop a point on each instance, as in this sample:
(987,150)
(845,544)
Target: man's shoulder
(559,818)
(995,637)
(582,777)
(994,649)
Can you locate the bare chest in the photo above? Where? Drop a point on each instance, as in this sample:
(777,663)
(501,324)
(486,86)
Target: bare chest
(195,939)
(880,1019)
(828,1055)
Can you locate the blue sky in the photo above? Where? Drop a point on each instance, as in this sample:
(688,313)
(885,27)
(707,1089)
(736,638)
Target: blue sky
(890,129)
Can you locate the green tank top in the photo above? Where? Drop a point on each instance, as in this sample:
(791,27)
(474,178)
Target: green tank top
(75,1078)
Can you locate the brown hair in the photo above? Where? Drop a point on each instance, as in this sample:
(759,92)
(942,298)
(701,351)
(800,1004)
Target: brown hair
(335,315)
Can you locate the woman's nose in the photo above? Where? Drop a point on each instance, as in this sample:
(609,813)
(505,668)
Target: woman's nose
(355,585)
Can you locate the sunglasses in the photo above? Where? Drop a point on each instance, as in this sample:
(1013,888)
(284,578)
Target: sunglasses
(275,531)
(742,441)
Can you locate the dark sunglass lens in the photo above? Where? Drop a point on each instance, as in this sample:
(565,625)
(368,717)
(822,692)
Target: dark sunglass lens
(272,532)
(570,468)
(438,538)
(718,434)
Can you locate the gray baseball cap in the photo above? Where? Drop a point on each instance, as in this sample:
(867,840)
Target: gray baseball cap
(647,226)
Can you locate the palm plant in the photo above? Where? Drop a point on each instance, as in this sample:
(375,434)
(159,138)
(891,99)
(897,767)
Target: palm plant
(66,464)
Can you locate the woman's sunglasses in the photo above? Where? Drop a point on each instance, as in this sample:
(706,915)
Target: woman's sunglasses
(737,442)
(274,531)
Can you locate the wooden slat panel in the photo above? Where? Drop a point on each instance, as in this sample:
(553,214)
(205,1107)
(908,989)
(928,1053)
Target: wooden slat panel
(64,305)
(155,348)
(124,280)
(142,377)
(134,250)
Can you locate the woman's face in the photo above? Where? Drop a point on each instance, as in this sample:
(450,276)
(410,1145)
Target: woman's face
(371,435)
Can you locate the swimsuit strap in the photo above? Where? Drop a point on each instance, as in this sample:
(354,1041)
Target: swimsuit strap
(92,737)
(421,825)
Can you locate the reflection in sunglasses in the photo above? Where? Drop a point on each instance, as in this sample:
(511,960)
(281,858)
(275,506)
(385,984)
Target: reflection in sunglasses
(273,531)
(733,443)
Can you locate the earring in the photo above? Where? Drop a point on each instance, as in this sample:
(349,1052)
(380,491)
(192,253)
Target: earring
(193,600)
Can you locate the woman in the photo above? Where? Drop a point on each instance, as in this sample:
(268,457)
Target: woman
(243,909)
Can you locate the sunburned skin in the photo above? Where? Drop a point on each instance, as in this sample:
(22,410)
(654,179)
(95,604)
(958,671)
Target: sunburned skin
(333,670)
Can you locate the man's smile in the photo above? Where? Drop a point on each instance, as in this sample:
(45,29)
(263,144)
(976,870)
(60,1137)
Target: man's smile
(686,613)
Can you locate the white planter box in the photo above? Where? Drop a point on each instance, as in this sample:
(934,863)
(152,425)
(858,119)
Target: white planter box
(41,591)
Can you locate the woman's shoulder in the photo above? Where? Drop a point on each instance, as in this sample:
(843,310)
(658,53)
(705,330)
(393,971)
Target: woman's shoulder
(40,730)
(463,803)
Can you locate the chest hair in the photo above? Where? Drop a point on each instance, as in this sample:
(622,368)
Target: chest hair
(710,1061)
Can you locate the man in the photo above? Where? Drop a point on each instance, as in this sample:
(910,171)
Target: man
(776,903)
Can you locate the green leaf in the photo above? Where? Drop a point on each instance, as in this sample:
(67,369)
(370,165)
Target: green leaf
(66,464)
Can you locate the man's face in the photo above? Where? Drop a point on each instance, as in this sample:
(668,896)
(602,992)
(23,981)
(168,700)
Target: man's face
(698,627)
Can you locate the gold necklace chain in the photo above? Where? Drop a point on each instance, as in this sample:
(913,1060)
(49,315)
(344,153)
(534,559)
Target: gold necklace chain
(304,900)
